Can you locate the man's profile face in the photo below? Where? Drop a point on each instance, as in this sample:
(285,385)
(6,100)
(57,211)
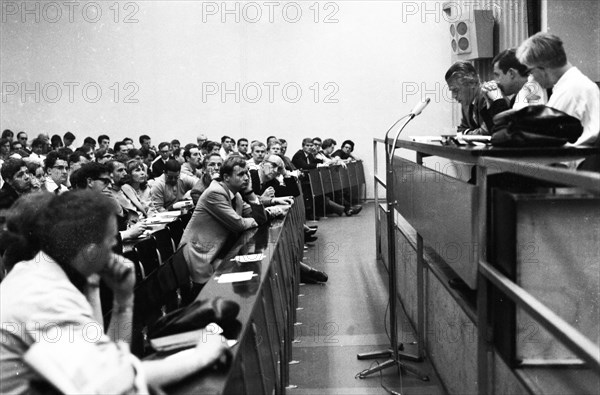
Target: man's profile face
(238,180)
(505,81)
(123,149)
(59,172)
(171,177)
(227,144)
(146,144)
(329,150)
(347,148)
(21,180)
(464,93)
(540,75)
(284,148)
(100,183)
(258,154)
(104,251)
(243,147)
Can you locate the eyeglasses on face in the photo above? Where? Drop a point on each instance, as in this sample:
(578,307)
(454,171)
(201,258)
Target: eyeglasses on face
(105,180)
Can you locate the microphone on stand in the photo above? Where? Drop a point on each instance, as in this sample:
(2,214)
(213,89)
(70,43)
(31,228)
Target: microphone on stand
(419,107)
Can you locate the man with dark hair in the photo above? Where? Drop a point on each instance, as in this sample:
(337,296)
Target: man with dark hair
(572,91)
(227,144)
(76,236)
(145,144)
(345,152)
(304,159)
(17,181)
(477,114)
(158,166)
(121,148)
(103,141)
(193,161)
(22,138)
(227,207)
(76,160)
(37,149)
(68,139)
(90,142)
(171,187)
(258,154)
(512,79)
(213,146)
(175,144)
(91,175)
(56,166)
(242,148)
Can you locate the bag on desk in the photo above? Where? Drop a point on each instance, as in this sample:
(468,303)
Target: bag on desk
(535,126)
(196,316)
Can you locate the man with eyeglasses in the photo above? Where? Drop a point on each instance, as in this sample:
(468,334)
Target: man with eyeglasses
(17,181)
(572,91)
(158,166)
(22,138)
(57,172)
(171,187)
(477,111)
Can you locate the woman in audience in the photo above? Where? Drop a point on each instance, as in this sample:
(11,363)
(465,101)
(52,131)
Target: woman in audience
(136,187)
(346,152)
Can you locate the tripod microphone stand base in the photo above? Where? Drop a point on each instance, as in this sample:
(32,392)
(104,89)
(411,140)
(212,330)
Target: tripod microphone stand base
(389,353)
(392,363)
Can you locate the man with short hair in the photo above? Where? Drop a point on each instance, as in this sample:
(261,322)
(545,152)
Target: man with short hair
(201,139)
(258,154)
(477,113)
(68,139)
(158,166)
(227,144)
(76,160)
(226,208)
(511,79)
(103,141)
(76,236)
(103,155)
(90,142)
(145,144)
(572,92)
(56,166)
(193,161)
(242,148)
(17,181)
(304,158)
(171,187)
(175,144)
(37,149)
(22,138)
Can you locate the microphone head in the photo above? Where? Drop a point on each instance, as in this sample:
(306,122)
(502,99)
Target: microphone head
(420,106)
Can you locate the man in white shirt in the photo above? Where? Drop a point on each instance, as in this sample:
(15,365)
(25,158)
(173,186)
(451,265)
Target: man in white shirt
(572,92)
(258,155)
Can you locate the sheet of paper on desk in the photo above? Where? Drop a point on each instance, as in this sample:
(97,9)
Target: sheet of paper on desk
(425,139)
(235,277)
(249,258)
(189,339)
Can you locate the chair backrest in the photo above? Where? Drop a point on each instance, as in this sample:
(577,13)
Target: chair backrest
(164,244)
(326,178)
(139,269)
(314,178)
(176,229)
(147,254)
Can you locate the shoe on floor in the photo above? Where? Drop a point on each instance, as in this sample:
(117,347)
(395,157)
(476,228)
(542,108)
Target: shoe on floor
(309,239)
(357,209)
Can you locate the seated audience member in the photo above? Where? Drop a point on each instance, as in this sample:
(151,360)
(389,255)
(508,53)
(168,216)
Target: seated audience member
(274,147)
(193,161)
(345,153)
(76,235)
(220,214)
(145,144)
(242,148)
(511,79)
(213,146)
(164,154)
(227,144)
(171,187)
(18,238)
(572,92)
(4,149)
(265,182)
(120,147)
(178,156)
(17,181)
(134,153)
(326,153)
(23,138)
(56,166)
(210,165)
(89,151)
(8,134)
(118,174)
(56,142)
(103,141)
(477,115)
(37,149)
(201,139)
(289,166)
(304,159)
(129,142)
(258,154)
(89,142)
(136,187)
(68,139)
(317,142)
(175,144)
(269,139)
(37,176)
(103,155)
(77,159)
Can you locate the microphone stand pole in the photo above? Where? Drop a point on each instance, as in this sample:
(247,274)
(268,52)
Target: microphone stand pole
(394,354)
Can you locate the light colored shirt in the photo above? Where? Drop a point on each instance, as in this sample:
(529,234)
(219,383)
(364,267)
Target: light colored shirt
(40,306)
(530,94)
(163,195)
(576,95)
(51,186)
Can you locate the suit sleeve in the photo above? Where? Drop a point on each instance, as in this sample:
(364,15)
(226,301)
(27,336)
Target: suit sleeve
(158,197)
(299,160)
(219,206)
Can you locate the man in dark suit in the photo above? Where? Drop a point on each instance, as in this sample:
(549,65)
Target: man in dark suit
(477,114)
(227,207)
(304,158)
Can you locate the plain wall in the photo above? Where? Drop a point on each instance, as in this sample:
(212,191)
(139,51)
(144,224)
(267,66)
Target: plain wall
(379,58)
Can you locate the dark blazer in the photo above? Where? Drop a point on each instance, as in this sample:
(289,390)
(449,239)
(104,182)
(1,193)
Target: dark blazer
(7,196)
(305,161)
(213,222)
(477,118)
